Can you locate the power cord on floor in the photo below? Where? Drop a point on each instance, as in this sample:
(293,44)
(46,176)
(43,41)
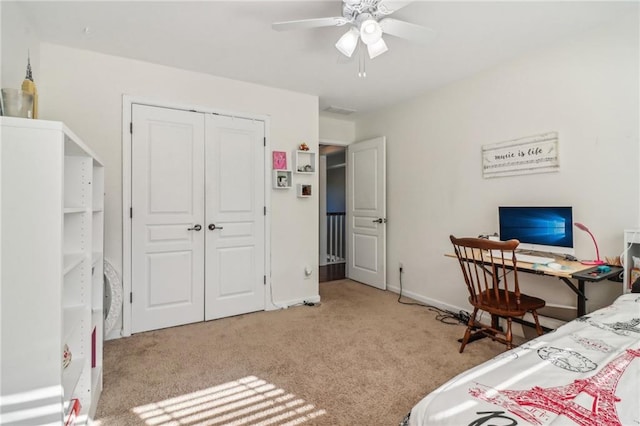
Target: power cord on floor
(305,302)
(272,302)
(444,316)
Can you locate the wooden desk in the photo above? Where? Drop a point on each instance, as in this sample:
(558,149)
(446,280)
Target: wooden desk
(570,271)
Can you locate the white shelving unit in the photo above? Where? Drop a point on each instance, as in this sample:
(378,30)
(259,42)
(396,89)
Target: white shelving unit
(631,249)
(304,162)
(52,272)
(281,179)
(303,190)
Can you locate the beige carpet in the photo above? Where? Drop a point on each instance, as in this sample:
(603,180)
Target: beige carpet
(358,358)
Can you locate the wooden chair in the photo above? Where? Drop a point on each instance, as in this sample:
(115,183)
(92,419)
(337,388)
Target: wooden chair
(489,270)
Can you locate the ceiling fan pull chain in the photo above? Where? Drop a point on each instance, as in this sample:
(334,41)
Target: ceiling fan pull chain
(362,66)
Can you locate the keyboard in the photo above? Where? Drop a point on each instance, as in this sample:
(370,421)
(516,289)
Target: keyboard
(529,258)
(534,259)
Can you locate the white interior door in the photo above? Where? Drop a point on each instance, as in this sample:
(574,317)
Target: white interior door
(167,262)
(235,225)
(366,212)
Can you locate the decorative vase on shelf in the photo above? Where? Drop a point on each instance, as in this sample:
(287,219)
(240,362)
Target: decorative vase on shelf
(16,103)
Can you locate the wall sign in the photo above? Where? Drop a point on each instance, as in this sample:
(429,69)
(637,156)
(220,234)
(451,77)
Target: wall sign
(531,154)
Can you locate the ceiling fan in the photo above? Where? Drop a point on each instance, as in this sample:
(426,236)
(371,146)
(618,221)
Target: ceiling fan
(367,20)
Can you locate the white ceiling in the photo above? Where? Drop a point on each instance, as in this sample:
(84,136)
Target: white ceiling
(234,39)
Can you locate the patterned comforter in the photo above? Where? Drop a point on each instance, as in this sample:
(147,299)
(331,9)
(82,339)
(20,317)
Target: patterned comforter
(586,372)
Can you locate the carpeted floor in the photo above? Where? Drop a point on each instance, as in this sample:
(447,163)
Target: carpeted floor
(358,358)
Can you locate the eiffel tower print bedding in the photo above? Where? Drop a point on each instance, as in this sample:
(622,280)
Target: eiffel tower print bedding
(585,373)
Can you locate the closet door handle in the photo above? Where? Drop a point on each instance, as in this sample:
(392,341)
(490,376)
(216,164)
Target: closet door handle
(213,227)
(195,228)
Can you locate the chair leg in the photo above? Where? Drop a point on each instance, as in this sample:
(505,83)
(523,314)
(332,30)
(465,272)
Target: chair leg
(508,335)
(535,318)
(467,333)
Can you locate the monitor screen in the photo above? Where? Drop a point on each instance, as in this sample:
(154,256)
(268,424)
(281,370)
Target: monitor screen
(547,229)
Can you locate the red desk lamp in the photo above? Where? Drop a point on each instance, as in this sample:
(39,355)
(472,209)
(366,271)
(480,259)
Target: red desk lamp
(590,262)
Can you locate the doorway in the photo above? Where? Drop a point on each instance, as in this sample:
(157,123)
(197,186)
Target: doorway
(353,218)
(333,252)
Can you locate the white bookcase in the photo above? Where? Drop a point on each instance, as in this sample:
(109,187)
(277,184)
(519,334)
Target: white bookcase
(52,273)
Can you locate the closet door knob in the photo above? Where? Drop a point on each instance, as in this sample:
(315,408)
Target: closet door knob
(195,228)
(213,227)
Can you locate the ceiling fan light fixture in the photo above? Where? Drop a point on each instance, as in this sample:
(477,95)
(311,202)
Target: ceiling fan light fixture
(348,42)
(377,48)
(370,31)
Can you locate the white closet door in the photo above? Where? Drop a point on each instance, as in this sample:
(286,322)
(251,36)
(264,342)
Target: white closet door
(235,226)
(168,202)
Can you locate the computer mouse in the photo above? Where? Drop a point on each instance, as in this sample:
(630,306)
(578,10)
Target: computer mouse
(554,265)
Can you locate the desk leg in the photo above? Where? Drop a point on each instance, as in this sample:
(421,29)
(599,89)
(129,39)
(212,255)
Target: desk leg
(579,291)
(582,299)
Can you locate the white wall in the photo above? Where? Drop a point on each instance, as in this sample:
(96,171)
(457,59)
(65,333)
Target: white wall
(333,129)
(85,90)
(585,88)
(18,40)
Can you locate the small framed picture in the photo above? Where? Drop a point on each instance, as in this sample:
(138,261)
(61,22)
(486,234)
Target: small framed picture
(279,160)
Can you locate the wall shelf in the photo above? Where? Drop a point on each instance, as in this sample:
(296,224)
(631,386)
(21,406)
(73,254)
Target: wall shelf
(303,190)
(281,179)
(304,162)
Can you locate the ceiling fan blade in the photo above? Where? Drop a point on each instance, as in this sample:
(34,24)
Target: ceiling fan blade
(309,23)
(407,30)
(387,7)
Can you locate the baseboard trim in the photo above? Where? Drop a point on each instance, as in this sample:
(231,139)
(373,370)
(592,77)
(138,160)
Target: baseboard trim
(427,300)
(289,303)
(544,321)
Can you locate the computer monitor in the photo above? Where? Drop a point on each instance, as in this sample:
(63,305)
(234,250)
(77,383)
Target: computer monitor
(544,229)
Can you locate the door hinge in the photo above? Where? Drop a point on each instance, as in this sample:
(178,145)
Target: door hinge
(131,297)
(130,212)
(265,210)
(264,140)
(131,127)
(265,279)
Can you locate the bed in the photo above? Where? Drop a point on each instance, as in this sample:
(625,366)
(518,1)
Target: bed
(587,372)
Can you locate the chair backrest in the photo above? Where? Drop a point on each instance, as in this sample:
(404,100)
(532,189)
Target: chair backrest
(489,270)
